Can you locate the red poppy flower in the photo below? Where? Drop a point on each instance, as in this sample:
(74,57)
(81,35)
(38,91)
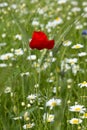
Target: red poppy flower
(40,41)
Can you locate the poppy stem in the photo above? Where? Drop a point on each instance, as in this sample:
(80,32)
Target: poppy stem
(43,56)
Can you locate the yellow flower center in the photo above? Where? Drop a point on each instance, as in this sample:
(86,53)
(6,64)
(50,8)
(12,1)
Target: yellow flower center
(50,118)
(18,51)
(7,57)
(28,125)
(85,115)
(75,121)
(57,19)
(71,62)
(54,104)
(84,83)
(65,42)
(77,46)
(77,109)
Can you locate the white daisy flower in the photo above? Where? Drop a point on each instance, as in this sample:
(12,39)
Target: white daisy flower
(84,115)
(71,60)
(31,57)
(62,1)
(85,9)
(31,97)
(74,3)
(54,23)
(77,46)
(3,4)
(17,118)
(26,73)
(83,84)
(67,43)
(77,108)
(75,121)
(7,90)
(76,9)
(53,102)
(57,21)
(18,52)
(3,65)
(14,6)
(29,125)
(35,23)
(48,117)
(84,3)
(79,26)
(6,56)
(75,68)
(18,36)
(54,90)
(2,44)
(3,35)
(81,54)
(40,11)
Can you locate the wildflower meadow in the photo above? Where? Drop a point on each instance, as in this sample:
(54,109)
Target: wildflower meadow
(43,64)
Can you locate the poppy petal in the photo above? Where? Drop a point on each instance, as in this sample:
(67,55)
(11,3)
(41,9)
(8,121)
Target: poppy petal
(40,41)
(50,44)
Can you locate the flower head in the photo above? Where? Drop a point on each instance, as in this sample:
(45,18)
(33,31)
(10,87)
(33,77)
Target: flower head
(31,97)
(27,126)
(81,54)
(40,41)
(77,46)
(71,60)
(75,121)
(48,117)
(53,102)
(18,52)
(83,84)
(77,108)
(84,32)
(31,57)
(3,65)
(6,56)
(67,43)
(7,90)
(84,115)
(62,1)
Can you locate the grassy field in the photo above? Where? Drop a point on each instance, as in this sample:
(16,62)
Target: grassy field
(43,89)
